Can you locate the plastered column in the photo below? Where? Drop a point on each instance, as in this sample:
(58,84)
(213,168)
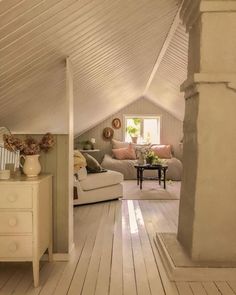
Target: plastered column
(207,217)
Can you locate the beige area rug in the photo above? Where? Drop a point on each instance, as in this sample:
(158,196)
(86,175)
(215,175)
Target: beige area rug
(151,190)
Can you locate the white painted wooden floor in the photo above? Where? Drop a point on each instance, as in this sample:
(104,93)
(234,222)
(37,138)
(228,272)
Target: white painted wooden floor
(114,254)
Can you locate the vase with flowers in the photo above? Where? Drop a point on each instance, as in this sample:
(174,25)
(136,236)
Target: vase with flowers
(29,150)
(152,159)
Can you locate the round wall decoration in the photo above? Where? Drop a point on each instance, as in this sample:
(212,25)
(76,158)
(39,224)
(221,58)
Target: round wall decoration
(116,123)
(108,133)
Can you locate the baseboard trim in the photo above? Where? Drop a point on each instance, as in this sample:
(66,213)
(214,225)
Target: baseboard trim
(72,248)
(57,257)
(191,272)
(60,256)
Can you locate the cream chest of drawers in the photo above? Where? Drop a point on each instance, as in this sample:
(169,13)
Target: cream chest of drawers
(26,220)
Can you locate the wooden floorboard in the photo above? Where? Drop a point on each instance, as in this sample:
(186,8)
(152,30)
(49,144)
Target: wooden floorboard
(46,273)
(95,257)
(104,272)
(211,288)
(153,275)
(153,225)
(197,288)
(90,232)
(116,278)
(114,254)
(142,282)
(224,288)
(184,288)
(232,285)
(11,284)
(26,281)
(129,279)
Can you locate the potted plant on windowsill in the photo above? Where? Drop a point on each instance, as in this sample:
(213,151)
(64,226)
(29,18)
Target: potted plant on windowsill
(133,132)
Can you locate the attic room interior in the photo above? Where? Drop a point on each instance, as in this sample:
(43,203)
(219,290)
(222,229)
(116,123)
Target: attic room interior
(117,147)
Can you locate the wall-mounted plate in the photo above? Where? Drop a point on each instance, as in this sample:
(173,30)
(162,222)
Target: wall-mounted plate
(108,133)
(116,123)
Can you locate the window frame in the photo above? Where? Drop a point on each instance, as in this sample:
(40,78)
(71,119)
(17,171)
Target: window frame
(125,117)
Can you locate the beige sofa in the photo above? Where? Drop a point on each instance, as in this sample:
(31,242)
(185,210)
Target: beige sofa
(97,187)
(126,167)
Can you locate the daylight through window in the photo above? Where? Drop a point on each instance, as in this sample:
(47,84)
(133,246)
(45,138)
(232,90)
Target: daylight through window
(142,129)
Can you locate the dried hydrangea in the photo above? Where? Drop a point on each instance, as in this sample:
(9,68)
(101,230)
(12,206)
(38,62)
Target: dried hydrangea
(47,142)
(32,147)
(29,146)
(13,143)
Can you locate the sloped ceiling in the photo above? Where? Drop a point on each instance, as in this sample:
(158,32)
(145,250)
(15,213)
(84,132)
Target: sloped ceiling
(113,46)
(165,87)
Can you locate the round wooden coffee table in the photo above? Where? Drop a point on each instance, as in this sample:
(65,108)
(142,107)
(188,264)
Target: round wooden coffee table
(161,169)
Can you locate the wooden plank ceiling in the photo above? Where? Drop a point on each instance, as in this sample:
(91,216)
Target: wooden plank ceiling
(113,46)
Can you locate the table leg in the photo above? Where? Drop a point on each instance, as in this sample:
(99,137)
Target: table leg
(164,179)
(141,178)
(159,176)
(138,176)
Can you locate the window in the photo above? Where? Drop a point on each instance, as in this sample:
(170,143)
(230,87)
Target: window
(142,129)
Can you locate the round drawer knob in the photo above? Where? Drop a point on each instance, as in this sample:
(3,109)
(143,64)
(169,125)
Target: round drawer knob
(12,247)
(12,221)
(12,198)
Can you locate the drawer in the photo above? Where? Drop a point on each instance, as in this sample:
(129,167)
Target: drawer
(15,196)
(15,246)
(15,222)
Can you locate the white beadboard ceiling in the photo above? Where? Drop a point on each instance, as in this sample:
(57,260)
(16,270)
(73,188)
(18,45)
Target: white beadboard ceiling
(113,46)
(170,74)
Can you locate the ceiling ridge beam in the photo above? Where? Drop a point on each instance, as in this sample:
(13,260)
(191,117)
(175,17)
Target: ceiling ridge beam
(164,48)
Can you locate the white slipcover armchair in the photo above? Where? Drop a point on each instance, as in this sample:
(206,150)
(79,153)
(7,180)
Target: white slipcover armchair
(96,187)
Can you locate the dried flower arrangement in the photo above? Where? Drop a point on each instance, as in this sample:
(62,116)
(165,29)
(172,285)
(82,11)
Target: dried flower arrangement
(29,146)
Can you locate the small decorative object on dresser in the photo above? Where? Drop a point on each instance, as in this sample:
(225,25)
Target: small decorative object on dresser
(30,151)
(9,160)
(116,123)
(26,220)
(31,165)
(5,174)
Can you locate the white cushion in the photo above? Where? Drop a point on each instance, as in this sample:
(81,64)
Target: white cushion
(98,180)
(82,173)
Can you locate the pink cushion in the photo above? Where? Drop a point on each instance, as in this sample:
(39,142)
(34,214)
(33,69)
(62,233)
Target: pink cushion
(127,153)
(163,151)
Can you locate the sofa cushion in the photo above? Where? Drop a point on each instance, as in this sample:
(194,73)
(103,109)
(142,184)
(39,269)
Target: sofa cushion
(92,164)
(95,181)
(163,151)
(127,153)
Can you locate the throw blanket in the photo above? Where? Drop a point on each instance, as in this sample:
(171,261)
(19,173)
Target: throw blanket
(79,161)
